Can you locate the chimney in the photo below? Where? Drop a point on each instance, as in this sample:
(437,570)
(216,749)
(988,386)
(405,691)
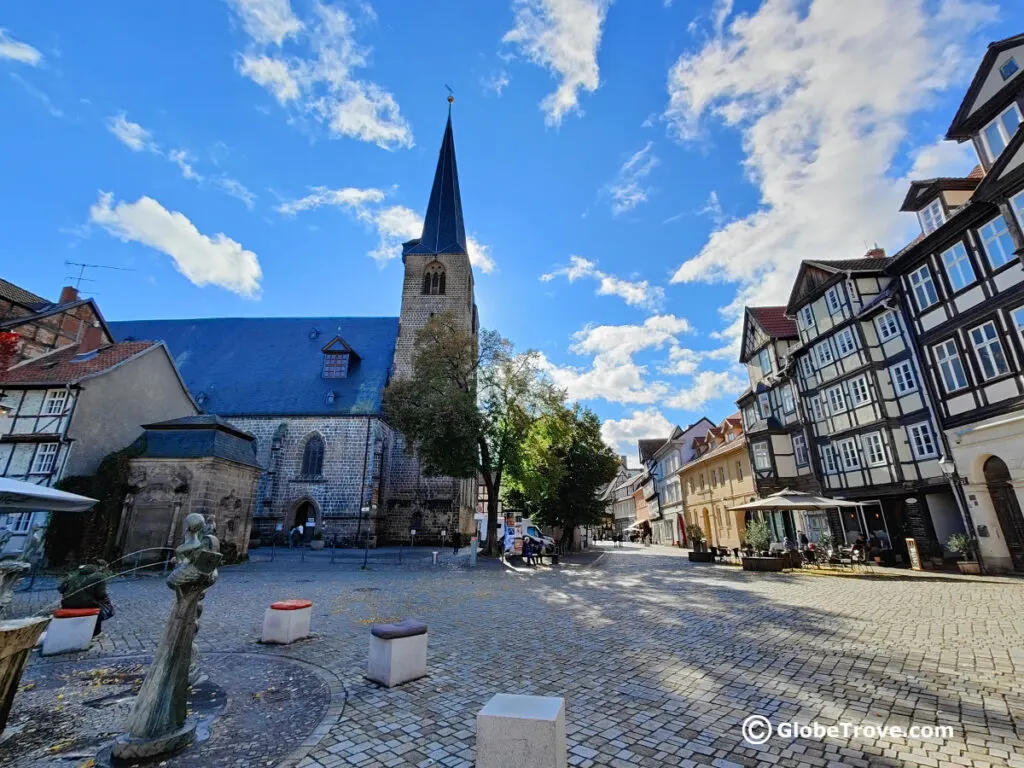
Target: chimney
(68,294)
(875,253)
(92,339)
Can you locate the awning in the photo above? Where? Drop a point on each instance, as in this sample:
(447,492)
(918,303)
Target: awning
(18,496)
(787,499)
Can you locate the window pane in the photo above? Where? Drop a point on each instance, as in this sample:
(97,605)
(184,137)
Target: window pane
(998,244)
(1010,120)
(994,139)
(958,267)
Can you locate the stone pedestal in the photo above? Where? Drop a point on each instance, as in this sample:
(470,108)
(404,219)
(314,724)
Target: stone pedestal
(513,731)
(398,653)
(17,639)
(71,630)
(11,571)
(286,621)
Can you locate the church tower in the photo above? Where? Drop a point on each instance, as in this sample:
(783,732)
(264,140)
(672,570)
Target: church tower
(438,275)
(438,278)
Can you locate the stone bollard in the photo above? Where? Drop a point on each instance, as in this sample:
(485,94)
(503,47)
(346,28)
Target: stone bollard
(70,630)
(434,556)
(286,621)
(473,546)
(398,653)
(513,731)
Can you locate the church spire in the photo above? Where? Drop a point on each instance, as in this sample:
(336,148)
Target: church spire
(443,230)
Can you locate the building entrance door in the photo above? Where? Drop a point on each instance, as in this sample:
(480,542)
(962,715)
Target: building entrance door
(1004,499)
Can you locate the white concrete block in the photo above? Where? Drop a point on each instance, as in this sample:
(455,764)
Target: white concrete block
(287,622)
(394,661)
(513,731)
(69,633)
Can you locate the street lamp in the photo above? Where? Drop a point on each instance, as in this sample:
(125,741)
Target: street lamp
(948,467)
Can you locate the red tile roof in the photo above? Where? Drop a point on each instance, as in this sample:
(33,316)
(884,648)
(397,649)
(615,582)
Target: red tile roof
(977,173)
(60,367)
(775,322)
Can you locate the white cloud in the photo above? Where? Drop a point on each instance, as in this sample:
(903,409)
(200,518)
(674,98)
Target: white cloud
(628,190)
(267,21)
(822,93)
(395,224)
(17,51)
(273,74)
(204,260)
(54,110)
(496,82)
(562,36)
(705,387)
(713,209)
(132,135)
(639,293)
(623,434)
(234,188)
(183,159)
(321,84)
(618,343)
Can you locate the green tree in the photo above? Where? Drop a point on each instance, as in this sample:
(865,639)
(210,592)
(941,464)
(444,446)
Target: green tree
(469,405)
(564,465)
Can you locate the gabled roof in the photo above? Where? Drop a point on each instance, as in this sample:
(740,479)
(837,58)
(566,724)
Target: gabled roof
(443,228)
(18,295)
(53,309)
(774,322)
(921,192)
(649,447)
(967,120)
(197,437)
(829,268)
(338,344)
(272,366)
(66,366)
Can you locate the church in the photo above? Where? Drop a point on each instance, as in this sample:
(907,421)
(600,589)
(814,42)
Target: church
(310,391)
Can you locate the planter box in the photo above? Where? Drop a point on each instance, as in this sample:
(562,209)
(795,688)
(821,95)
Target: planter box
(702,557)
(764,564)
(970,567)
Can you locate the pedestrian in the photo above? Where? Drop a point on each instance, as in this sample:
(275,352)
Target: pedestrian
(456,542)
(804,541)
(300,529)
(87,588)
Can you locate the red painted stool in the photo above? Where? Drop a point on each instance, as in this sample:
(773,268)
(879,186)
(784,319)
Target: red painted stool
(287,621)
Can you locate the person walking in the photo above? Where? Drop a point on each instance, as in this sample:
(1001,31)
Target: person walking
(456,542)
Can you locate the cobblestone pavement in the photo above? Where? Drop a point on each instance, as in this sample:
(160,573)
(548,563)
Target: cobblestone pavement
(659,660)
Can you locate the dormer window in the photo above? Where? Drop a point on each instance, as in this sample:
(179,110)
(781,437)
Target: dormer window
(997,134)
(931,217)
(338,358)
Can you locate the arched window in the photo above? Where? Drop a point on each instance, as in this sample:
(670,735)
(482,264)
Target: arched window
(313,457)
(434,279)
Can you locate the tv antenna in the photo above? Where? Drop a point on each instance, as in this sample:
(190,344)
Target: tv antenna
(81,271)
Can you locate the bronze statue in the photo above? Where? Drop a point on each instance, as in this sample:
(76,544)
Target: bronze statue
(157,723)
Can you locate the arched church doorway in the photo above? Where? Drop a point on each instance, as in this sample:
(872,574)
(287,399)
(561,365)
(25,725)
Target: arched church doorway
(1004,499)
(304,513)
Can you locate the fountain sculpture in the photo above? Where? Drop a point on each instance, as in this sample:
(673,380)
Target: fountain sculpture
(158,722)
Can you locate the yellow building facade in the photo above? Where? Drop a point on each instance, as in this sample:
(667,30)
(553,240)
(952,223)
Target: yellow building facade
(718,477)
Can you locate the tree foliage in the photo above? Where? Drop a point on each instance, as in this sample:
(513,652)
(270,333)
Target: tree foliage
(564,465)
(469,405)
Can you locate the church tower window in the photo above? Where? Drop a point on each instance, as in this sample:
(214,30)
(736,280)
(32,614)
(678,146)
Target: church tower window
(313,457)
(433,279)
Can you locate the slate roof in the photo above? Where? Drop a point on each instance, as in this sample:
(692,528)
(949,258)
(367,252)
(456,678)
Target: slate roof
(443,228)
(66,366)
(851,265)
(775,322)
(271,366)
(18,295)
(649,447)
(195,437)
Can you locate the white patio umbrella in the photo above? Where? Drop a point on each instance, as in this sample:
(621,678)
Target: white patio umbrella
(787,499)
(17,496)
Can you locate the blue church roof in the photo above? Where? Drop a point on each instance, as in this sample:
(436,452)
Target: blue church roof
(270,366)
(443,229)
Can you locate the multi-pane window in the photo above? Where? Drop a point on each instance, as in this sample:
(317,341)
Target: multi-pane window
(845,342)
(989,350)
(848,453)
(762,459)
(950,366)
(788,404)
(313,457)
(828,460)
(998,133)
(721,475)
(903,380)
(823,352)
(958,267)
(932,217)
(739,470)
(55,402)
(924,288)
(836,399)
(859,392)
(765,359)
(22,522)
(922,440)
(764,403)
(335,365)
(1017,203)
(800,450)
(888,325)
(749,416)
(816,408)
(46,456)
(997,242)
(1018,320)
(807,317)
(832,300)
(806,367)
(874,449)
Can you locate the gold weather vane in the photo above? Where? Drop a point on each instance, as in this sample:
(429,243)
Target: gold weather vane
(451,95)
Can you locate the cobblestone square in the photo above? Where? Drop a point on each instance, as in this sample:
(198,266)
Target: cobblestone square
(659,660)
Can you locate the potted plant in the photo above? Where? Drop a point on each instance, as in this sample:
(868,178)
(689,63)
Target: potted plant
(758,538)
(963,544)
(317,541)
(698,552)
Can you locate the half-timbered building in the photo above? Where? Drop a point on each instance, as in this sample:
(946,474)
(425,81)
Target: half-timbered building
(874,439)
(665,463)
(963,296)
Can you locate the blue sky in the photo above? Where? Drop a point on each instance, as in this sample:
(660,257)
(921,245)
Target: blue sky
(632,173)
